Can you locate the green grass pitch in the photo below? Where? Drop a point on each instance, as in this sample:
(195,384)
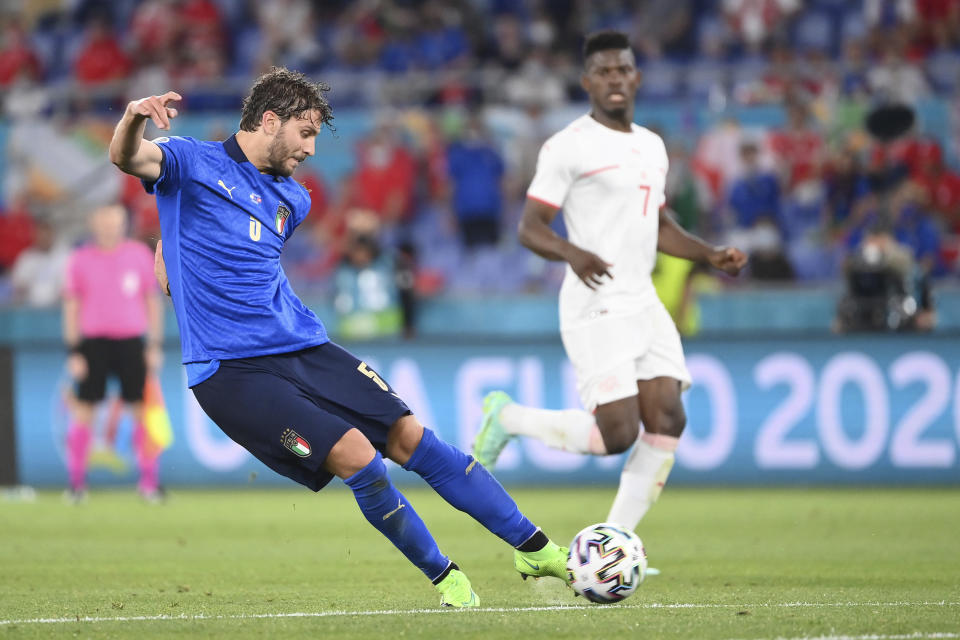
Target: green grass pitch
(737,564)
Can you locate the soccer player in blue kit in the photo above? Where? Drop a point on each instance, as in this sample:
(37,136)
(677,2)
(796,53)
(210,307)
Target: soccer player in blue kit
(260,363)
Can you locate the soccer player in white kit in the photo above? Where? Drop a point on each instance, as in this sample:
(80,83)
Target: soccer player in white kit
(607,174)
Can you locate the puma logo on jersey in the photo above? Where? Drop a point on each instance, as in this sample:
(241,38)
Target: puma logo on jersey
(229,191)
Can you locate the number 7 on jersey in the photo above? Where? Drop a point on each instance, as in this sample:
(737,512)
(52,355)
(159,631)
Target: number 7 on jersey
(646,196)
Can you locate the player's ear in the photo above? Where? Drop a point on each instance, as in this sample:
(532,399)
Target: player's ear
(585,81)
(270,122)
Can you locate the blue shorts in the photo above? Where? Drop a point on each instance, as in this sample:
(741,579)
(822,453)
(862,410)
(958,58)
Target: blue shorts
(289,409)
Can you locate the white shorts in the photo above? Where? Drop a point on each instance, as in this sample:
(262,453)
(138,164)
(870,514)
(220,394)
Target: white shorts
(610,354)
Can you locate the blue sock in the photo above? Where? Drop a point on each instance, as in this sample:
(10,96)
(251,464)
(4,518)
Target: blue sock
(468,486)
(387,510)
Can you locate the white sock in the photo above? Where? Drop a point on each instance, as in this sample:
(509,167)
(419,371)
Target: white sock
(568,430)
(642,478)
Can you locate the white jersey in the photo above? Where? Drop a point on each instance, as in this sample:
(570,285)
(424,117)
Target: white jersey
(610,185)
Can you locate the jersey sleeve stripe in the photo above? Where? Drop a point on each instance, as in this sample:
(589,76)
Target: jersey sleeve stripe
(546,202)
(596,171)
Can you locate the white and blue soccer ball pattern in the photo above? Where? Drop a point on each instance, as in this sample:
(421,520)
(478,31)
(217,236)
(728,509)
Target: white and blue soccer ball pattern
(606,563)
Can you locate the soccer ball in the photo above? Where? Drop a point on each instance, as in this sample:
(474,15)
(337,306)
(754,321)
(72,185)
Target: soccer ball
(606,563)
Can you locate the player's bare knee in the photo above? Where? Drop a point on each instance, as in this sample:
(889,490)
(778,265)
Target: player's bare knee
(403,438)
(668,421)
(349,455)
(618,436)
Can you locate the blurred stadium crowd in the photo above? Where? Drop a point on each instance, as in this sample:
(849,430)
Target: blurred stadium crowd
(458,95)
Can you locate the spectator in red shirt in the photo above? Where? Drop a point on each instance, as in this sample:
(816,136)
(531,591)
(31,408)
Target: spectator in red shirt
(385,176)
(16,56)
(16,233)
(153,28)
(202,25)
(797,148)
(101,59)
(942,188)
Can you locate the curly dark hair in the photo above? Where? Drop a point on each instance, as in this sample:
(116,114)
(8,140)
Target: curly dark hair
(603,41)
(286,93)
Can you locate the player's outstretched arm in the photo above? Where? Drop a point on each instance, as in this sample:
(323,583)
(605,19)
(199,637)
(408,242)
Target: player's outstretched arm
(674,240)
(128,150)
(535,234)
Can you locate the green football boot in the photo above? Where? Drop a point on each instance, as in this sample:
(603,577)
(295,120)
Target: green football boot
(455,591)
(549,561)
(492,437)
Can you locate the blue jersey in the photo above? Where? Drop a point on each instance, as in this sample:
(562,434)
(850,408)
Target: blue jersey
(224,225)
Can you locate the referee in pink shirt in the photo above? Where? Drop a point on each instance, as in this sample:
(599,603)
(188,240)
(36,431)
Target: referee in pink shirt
(112,325)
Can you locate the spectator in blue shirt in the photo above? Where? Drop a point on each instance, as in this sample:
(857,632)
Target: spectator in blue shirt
(476,174)
(754,203)
(756,194)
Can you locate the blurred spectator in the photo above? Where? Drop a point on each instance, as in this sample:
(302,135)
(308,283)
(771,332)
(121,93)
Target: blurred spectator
(101,58)
(896,79)
(201,25)
(910,154)
(683,191)
(38,273)
(16,233)
(846,183)
(755,203)
(798,147)
(717,159)
(536,84)
(366,298)
(385,175)
(441,39)
(757,20)
(941,185)
(914,228)
(153,30)
(476,173)
(289,37)
(888,13)
(755,195)
(855,69)
(769,79)
(846,121)
(508,47)
(358,35)
(17,57)
(662,26)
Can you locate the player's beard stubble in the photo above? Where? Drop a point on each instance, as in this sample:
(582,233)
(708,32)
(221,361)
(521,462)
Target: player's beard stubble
(279,155)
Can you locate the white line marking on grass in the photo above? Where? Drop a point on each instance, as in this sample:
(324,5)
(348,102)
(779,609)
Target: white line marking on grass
(574,607)
(916,635)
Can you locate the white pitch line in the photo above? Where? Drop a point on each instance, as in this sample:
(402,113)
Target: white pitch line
(916,635)
(391,612)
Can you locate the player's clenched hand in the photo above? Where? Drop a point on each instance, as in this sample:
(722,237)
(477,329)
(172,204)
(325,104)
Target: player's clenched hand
(727,259)
(155,108)
(589,267)
(160,269)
